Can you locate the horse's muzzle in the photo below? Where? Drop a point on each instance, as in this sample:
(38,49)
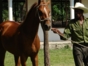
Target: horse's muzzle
(47,25)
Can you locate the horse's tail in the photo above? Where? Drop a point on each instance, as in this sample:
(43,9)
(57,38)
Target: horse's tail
(2,50)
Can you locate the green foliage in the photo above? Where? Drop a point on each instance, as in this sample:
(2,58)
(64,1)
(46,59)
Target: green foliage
(60,11)
(17,10)
(5,11)
(67,47)
(56,12)
(5,15)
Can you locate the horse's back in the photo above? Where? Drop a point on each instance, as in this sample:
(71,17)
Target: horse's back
(8,28)
(7,31)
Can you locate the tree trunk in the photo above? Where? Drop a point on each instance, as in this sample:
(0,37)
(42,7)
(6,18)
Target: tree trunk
(46,49)
(1,11)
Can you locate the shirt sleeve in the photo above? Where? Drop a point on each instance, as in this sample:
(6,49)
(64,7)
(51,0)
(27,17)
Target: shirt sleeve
(66,33)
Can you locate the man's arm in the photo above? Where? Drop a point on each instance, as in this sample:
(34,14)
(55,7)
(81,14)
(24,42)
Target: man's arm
(57,31)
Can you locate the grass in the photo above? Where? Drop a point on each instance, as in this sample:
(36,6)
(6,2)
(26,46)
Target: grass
(58,57)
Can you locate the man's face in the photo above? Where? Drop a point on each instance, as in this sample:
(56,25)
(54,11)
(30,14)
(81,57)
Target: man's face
(78,13)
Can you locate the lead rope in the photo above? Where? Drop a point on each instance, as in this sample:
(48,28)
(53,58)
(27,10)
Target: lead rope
(71,40)
(78,43)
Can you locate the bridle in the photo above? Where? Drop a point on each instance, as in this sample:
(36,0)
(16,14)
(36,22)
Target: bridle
(42,20)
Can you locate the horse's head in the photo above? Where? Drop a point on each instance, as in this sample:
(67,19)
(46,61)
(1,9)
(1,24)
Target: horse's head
(44,14)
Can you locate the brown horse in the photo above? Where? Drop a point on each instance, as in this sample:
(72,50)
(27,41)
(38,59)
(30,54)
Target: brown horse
(22,39)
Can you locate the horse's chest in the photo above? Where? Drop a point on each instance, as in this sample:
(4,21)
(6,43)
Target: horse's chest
(29,45)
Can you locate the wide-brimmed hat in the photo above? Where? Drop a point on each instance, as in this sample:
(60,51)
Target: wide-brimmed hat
(79,5)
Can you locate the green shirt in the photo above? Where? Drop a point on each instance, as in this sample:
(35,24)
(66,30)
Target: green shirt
(77,32)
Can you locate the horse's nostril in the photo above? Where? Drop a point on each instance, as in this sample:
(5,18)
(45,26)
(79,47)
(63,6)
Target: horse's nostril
(47,27)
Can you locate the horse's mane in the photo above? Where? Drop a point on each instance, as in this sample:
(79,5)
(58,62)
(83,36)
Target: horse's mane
(33,6)
(31,9)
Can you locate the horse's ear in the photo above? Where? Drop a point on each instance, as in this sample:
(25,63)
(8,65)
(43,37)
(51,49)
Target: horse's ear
(39,1)
(48,2)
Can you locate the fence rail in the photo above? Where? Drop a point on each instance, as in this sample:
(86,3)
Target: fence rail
(57,45)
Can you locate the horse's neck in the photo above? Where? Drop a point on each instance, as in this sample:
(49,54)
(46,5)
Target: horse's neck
(31,23)
(30,26)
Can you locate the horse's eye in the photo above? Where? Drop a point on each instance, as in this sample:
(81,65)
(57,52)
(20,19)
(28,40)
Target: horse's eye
(49,14)
(40,13)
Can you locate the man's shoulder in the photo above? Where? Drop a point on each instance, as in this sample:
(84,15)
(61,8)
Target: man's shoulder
(72,21)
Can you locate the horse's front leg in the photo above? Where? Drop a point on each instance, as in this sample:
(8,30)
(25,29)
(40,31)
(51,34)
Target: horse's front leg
(23,59)
(34,60)
(17,60)
(2,55)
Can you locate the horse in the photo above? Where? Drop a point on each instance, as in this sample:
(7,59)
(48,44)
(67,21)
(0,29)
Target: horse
(21,39)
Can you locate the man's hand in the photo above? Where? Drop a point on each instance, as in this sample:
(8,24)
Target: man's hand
(57,31)
(54,30)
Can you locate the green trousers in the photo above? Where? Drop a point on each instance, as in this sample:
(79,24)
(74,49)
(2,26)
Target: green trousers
(80,54)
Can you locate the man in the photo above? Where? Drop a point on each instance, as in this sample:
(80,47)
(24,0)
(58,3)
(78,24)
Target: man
(77,29)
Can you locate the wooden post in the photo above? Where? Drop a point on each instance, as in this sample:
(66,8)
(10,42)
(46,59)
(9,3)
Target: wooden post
(46,49)
(1,11)
(46,44)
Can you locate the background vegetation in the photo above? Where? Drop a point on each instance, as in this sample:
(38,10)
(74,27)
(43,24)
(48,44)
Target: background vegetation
(58,57)
(60,10)
(17,10)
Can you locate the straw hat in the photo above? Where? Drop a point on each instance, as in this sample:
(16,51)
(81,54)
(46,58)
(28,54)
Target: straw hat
(79,5)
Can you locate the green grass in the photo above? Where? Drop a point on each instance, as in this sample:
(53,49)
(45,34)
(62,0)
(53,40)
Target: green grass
(58,57)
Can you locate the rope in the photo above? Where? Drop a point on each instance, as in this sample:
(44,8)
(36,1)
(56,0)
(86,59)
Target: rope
(58,32)
(78,44)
